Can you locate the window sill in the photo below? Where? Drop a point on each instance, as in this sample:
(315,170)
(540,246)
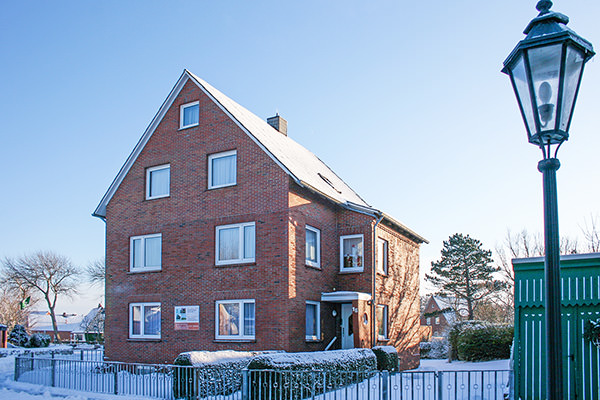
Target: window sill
(158,197)
(382,273)
(382,339)
(352,271)
(144,340)
(234,341)
(183,128)
(236,264)
(317,267)
(221,186)
(313,340)
(141,271)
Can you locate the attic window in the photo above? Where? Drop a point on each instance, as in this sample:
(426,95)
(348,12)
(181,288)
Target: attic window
(189,115)
(327,181)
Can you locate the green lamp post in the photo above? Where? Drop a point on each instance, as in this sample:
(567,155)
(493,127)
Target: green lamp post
(545,70)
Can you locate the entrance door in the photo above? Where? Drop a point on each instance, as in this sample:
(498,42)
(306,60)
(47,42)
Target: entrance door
(347,326)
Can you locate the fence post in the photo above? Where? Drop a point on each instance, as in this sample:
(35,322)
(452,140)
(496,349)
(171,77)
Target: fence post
(17,369)
(53,364)
(439,375)
(116,378)
(245,386)
(385,376)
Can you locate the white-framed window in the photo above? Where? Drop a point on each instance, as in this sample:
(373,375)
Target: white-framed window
(313,247)
(437,320)
(145,252)
(428,320)
(189,115)
(144,321)
(222,169)
(382,256)
(235,319)
(313,320)
(235,243)
(351,253)
(382,321)
(158,181)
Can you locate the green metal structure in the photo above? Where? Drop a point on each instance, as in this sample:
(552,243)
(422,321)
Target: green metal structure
(580,302)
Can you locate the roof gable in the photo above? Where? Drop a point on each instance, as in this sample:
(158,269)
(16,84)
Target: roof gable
(305,168)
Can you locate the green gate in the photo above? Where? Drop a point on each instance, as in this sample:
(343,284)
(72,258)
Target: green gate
(580,298)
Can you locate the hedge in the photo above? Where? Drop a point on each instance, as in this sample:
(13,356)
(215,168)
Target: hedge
(480,341)
(331,370)
(387,358)
(214,373)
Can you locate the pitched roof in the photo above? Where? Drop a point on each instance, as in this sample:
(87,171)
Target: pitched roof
(305,168)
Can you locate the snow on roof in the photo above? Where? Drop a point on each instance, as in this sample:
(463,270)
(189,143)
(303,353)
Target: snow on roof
(303,166)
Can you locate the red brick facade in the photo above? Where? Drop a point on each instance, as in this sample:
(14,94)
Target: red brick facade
(279,281)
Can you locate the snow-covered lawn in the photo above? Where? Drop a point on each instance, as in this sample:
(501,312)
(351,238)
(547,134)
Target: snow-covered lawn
(444,365)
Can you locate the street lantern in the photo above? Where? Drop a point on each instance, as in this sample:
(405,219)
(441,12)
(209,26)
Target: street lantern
(545,70)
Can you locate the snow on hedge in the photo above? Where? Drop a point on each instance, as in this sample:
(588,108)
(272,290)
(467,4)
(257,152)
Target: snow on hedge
(387,358)
(206,358)
(349,360)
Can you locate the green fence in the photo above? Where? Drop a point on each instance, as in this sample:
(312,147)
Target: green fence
(580,298)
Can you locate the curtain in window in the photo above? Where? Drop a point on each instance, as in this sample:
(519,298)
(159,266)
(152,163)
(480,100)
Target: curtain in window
(152,320)
(159,182)
(311,245)
(249,319)
(229,319)
(229,247)
(311,320)
(249,240)
(153,251)
(191,115)
(223,170)
(136,320)
(353,253)
(137,251)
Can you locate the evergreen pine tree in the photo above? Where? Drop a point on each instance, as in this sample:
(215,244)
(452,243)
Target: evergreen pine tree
(465,272)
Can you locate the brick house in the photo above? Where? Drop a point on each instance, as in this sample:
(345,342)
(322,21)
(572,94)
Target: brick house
(224,233)
(439,314)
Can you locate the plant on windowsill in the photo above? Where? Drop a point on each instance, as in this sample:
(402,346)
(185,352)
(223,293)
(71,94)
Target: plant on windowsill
(592,332)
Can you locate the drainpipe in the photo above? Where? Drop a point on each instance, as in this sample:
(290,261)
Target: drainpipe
(374,276)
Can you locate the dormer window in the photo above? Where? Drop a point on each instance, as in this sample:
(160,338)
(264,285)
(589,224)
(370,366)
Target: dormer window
(189,115)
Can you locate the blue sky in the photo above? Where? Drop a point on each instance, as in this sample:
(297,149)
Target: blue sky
(404,100)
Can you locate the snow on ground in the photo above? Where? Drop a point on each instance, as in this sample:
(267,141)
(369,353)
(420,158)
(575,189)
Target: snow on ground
(444,365)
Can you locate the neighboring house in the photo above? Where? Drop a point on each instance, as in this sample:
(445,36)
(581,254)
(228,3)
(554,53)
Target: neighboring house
(439,314)
(91,328)
(72,327)
(224,233)
(65,326)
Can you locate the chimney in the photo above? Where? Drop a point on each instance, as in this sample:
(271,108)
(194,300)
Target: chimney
(278,123)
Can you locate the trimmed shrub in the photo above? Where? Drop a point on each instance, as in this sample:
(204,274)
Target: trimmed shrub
(18,336)
(455,331)
(387,358)
(38,340)
(215,373)
(292,376)
(436,349)
(481,343)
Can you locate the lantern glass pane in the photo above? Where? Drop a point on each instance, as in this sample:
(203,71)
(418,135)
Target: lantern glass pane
(544,63)
(521,85)
(573,68)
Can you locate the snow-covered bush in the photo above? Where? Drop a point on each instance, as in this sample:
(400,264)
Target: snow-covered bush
(332,369)
(485,343)
(215,372)
(455,331)
(18,336)
(387,358)
(436,349)
(480,341)
(38,340)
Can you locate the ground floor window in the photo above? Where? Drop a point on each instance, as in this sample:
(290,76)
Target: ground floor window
(144,320)
(235,319)
(382,322)
(313,320)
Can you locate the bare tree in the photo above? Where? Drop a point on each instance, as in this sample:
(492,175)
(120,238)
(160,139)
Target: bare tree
(96,272)
(46,273)
(591,234)
(13,303)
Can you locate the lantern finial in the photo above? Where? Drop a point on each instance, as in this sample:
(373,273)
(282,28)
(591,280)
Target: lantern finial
(544,6)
